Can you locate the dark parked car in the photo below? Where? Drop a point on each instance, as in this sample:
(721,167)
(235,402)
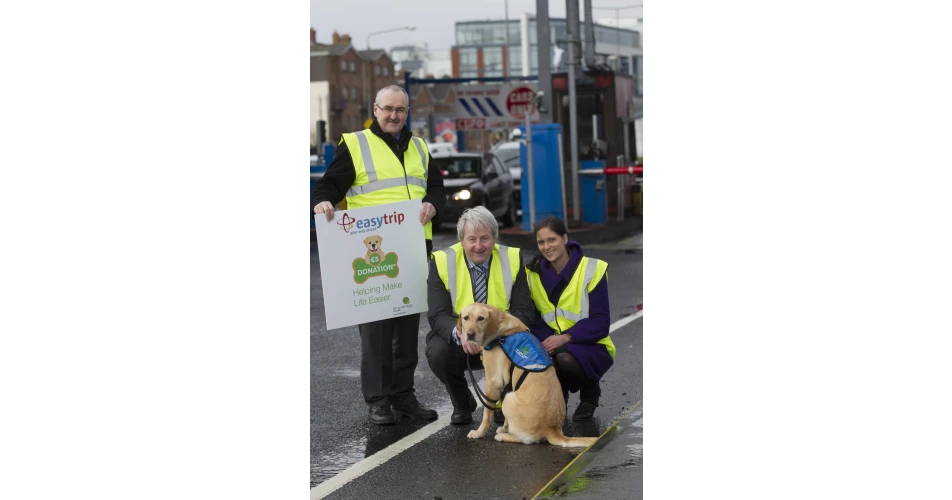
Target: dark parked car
(473,179)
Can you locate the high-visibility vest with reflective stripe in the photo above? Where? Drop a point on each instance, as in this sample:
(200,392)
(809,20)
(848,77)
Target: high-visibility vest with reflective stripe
(380,177)
(573,305)
(503,269)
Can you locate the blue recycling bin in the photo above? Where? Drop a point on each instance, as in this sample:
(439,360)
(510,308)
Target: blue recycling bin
(547,173)
(594,192)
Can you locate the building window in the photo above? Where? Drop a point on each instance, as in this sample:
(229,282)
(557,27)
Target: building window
(467,62)
(343,65)
(377,70)
(515,32)
(353,67)
(558,31)
(487,33)
(492,61)
(386,71)
(515,60)
(344,93)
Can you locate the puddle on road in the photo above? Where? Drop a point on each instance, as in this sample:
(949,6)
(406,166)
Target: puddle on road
(376,439)
(328,466)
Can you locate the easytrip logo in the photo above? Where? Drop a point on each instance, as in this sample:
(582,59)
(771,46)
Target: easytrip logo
(346,222)
(376,222)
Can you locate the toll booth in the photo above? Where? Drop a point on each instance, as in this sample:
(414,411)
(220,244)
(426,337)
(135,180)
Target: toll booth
(547,179)
(603,101)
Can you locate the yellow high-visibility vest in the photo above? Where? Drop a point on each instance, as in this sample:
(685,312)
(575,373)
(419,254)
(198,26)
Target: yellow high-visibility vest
(454,272)
(380,177)
(573,304)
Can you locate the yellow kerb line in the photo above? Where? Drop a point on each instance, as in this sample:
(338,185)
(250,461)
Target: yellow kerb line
(598,443)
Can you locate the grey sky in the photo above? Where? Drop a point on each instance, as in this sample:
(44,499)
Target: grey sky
(434,19)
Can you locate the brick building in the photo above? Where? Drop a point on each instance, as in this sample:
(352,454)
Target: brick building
(344,82)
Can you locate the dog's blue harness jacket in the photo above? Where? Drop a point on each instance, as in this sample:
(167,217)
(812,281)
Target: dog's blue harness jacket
(524,350)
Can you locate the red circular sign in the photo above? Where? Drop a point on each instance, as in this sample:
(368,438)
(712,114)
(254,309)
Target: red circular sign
(518,100)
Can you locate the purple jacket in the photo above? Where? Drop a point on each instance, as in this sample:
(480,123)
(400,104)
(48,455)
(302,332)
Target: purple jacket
(593,357)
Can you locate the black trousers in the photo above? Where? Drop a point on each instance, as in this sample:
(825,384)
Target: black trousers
(448,363)
(388,359)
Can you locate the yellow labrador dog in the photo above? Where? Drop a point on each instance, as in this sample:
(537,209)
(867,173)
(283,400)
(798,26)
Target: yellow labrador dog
(536,411)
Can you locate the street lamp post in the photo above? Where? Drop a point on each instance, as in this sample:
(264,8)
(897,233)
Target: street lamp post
(407,28)
(364,72)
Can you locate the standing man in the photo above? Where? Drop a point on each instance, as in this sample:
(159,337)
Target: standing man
(474,270)
(385,164)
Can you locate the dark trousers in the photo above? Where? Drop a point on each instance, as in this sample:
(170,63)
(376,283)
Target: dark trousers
(448,363)
(388,359)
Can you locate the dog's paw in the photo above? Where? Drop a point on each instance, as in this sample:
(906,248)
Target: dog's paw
(503,429)
(476,435)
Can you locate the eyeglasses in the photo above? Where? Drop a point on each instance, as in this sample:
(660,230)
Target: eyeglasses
(390,109)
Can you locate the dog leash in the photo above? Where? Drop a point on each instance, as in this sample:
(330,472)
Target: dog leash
(483,398)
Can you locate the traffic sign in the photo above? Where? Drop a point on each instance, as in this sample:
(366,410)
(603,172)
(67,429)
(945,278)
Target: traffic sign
(518,100)
(494,106)
(470,123)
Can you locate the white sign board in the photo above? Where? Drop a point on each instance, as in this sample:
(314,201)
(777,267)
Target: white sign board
(373,263)
(494,106)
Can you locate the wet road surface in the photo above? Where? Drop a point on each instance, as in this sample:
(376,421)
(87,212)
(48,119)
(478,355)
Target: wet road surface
(446,464)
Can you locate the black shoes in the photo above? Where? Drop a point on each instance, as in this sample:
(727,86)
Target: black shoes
(414,410)
(462,417)
(584,411)
(589,396)
(381,415)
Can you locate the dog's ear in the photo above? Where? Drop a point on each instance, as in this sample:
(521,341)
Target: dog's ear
(459,322)
(494,319)
(379,239)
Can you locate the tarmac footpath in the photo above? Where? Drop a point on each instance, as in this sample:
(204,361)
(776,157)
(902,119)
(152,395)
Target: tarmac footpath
(611,468)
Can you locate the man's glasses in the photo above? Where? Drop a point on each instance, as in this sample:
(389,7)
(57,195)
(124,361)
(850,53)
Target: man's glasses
(390,109)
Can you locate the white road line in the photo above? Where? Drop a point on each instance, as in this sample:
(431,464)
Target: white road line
(624,321)
(382,456)
(367,464)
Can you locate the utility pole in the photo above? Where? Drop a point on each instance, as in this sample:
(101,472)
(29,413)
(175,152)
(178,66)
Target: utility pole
(505,65)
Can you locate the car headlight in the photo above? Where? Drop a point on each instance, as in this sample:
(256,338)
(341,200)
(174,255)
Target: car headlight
(462,195)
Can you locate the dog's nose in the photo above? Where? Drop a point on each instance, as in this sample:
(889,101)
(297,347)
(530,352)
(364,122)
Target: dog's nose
(470,336)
